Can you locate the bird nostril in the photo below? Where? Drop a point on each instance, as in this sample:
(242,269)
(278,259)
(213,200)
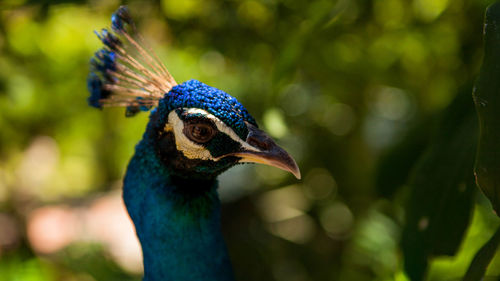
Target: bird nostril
(253,141)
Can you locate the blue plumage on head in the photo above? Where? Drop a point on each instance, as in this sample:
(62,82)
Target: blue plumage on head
(194,93)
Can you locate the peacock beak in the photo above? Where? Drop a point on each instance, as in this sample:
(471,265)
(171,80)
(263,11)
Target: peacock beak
(267,152)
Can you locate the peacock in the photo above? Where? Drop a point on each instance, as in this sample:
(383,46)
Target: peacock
(195,132)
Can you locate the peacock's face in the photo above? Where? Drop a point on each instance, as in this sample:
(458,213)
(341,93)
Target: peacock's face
(202,131)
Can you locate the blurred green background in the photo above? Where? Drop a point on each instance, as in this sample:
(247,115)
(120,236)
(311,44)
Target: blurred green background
(339,83)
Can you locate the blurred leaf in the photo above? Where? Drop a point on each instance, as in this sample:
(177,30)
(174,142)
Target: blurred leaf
(487,99)
(395,165)
(18,268)
(321,12)
(442,189)
(482,259)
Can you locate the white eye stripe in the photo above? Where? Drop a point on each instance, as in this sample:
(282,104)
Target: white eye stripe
(191,149)
(221,127)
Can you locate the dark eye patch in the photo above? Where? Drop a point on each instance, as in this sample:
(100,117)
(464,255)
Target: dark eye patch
(222,144)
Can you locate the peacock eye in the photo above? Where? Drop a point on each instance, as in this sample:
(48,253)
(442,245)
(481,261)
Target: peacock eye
(199,132)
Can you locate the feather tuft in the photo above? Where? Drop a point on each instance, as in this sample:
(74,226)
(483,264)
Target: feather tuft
(124,73)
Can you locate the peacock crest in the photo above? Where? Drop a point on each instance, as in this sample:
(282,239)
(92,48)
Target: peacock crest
(126,72)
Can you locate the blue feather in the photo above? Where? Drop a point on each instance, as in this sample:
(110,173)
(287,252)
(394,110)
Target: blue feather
(108,39)
(103,61)
(132,110)
(120,19)
(97,92)
(107,60)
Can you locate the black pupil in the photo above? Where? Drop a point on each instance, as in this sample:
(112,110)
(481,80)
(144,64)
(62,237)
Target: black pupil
(200,132)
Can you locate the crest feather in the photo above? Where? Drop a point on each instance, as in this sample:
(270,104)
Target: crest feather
(125,72)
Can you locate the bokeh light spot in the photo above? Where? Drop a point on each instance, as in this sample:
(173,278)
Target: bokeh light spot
(38,165)
(21,34)
(274,121)
(212,63)
(283,203)
(389,13)
(428,10)
(392,103)
(254,14)
(295,100)
(319,184)
(52,228)
(182,9)
(337,219)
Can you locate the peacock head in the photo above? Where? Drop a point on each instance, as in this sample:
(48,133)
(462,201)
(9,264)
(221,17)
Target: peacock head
(196,130)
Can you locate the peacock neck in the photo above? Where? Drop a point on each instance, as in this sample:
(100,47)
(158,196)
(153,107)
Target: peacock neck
(177,221)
